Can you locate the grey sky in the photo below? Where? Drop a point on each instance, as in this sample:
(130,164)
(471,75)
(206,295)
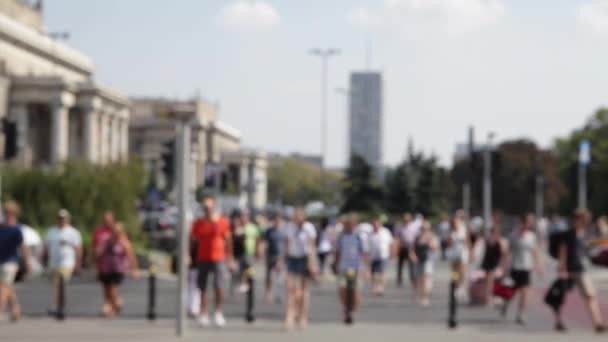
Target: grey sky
(518,67)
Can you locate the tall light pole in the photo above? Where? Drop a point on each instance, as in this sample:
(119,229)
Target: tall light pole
(540,187)
(487,184)
(324,54)
(183,116)
(584,158)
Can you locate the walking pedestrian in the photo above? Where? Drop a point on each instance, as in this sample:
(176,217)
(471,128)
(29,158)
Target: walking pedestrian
(246,246)
(301,268)
(407,234)
(274,239)
(444,234)
(211,232)
(525,258)
(116,258)
(100,235)
(459,250)
(381,249)
(12,246)
(63,251)
(351,253)
(422,255)
(324,244)
(495,251)
(572,268)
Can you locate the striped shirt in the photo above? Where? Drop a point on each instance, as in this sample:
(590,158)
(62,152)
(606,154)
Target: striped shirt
(351,248)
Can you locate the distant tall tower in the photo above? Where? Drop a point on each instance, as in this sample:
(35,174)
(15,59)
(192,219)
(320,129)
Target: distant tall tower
(366,116)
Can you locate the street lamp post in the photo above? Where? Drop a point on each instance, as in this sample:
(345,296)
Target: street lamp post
(183,116)
(540,185)
(324,54)
(487,184)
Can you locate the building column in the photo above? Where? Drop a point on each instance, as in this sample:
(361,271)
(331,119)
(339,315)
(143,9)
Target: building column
(103,138)
(91,131)
(59,132)
(114,137)
(19,114)
(124,140)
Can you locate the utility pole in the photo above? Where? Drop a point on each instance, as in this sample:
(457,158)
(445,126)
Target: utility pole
(184,116)
(540,187)
(584,158)
(487,184)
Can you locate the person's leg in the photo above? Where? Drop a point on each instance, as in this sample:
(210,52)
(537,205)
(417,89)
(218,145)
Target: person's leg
(290,312)
(218,283)
(13,300)
(489,287)
(523,301)
(4,293)
(412,268)
(400,261)
(107,310)
(588,293)
(114,298)
(304,303)
(268,280)
(203,278)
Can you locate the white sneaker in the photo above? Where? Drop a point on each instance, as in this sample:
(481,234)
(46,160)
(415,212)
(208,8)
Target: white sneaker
(220,321)
(203,320)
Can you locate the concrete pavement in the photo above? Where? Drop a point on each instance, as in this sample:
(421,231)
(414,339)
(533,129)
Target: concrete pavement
(394,315)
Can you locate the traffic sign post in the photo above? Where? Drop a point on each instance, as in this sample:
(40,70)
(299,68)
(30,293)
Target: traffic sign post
(584,159)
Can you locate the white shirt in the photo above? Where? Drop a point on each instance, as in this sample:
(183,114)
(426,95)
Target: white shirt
(299,239)
(61,244)
(380,244)
(523,248)
(409,232)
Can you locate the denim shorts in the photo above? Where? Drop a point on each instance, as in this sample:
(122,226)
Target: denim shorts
(377,266)
(297,266)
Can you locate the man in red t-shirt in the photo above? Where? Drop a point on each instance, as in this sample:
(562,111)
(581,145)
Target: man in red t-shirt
(211,233)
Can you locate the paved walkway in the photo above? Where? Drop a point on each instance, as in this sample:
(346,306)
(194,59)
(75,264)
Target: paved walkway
(393,316)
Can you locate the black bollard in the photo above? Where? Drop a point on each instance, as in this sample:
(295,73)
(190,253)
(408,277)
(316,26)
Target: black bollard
(250,303)
(152,294)
(60,314)
(453,304)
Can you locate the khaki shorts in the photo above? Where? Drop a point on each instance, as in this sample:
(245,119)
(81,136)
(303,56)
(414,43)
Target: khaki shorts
(8,272)
(59,273)
(584,284)
(345,276)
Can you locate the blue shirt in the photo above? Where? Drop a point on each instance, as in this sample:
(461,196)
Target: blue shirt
(351,249)
(11,240)
(274,238)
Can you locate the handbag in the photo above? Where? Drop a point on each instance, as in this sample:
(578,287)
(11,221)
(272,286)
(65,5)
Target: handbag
(556,295)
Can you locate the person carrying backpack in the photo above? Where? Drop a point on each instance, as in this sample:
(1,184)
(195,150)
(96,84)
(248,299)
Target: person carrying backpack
(569,249)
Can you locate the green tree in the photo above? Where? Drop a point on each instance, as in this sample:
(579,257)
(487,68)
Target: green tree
(361,190)
(418,184)
(596,131)
(515,165)
(295,182)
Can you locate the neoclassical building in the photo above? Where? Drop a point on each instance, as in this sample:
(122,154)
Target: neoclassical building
(50,105)
(215,145)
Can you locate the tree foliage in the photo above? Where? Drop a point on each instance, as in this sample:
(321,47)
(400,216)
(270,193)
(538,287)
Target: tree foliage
(418,184)
(515,165)
(296,182)
(596,131)
(84,189)
(361,190)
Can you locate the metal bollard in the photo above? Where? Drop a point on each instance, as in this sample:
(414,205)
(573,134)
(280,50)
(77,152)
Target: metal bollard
(453,303)
(152,294)
(250,303)
(60,314)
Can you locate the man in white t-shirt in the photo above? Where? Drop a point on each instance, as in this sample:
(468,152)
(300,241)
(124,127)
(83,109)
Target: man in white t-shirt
(381,245)
(63,251)
(300,250)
